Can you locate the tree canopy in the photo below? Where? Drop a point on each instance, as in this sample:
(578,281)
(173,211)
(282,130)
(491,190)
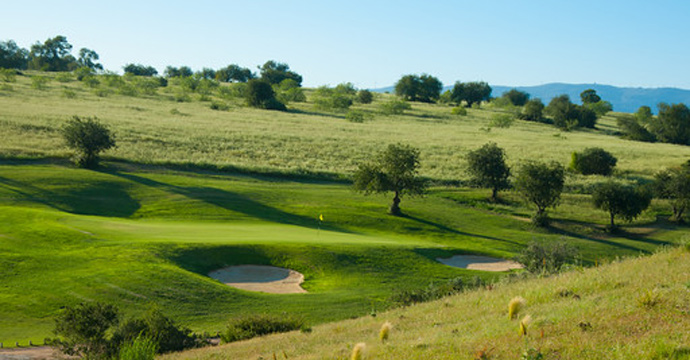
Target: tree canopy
(12,56)
(593,161)
(567,115)
(532,111)
(234,73)
(470,92)
(672,124)
(516,97)
(542,185)
(589,96)
(260,94)
(674,184)
(88,137)
(488,168)
(140,70)
(424,88)
(52,55)
(620,200)
(274,73)
(394,169)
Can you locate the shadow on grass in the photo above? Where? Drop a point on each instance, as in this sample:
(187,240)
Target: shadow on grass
(232,201)
(561,227)
(455,231)
(98,198)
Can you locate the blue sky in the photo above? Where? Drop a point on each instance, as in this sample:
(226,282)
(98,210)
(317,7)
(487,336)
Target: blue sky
(372,43)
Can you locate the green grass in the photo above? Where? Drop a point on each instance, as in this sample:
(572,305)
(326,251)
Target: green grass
(588,314)
(169,205)
(134,236)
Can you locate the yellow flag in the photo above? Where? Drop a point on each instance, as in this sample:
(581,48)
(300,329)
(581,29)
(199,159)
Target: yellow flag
(320,217)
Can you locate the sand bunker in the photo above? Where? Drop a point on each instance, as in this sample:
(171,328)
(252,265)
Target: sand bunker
(484,263)
(268,279)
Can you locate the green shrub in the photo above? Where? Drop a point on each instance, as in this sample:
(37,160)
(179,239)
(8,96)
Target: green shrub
(365,97)
(546,257)
(141,348)
(593,161)
(90,81)
(70,94)
(39,82)
(501,121)
(88,137)
(82,330)
(64,77)
(247,327)
(218,105)
(166,335)
(355,116)
(8,75)
(459,110)
(395,107)
(407,297)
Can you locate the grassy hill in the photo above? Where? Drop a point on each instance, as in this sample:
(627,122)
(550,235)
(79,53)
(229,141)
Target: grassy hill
(634,309)
(191,189)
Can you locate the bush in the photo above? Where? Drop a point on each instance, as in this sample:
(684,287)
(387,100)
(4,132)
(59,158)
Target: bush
(546,257)
(82,330)
(355,116)
(8,75)
(395,107)
(141,348)
(166,335)
(620,200)
(365,97)
(260,94)
(459,110)
(593,161)
(633,130)
(251,326)
(88,138)
(532,111)
(501,121)
(218,105)
(39,82)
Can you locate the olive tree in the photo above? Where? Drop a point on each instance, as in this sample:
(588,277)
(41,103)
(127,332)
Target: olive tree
(487,167)
(620,200)
(674,185)
(88,137)
(541,184)
(394,169)
(593,161)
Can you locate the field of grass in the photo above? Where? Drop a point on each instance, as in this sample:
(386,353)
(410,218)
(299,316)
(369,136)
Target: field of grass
(302,140)
(190,190)
(612,312)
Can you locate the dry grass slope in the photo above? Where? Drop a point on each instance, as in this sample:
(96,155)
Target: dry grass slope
(595,313)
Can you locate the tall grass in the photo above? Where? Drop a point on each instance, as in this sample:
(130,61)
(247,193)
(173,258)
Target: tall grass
(140,348)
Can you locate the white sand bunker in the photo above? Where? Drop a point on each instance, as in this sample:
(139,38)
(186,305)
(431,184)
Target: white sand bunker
(484,263)
(268,279)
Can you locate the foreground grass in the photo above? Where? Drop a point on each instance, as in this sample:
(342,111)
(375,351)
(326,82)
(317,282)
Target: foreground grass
(634,309)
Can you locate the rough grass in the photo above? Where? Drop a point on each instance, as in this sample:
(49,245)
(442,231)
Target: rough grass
(156,129)
(586,314)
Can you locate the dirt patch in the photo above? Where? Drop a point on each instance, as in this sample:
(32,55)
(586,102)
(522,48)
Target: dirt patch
(268,279)
(31,353)
(483,263)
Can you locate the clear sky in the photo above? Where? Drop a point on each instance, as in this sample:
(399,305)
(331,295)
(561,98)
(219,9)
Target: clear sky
(373,43)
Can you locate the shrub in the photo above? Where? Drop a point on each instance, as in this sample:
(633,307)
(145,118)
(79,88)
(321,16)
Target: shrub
(82,329)
(459,110)
(395,107)
(501,121)
(532,111)
(546,257)
(141,348)
(620,200)
(88,137)
(8,75)
(218,105)
(593,161)
(70,94)
(64,77)
(250,326)
(365,97)
(39,82)
(633,130)
(355,116)
(166,335)
(260,94)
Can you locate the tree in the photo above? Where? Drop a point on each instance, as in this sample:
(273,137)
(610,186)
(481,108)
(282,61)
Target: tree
(12,56)
(593,161)
(600,108)
(516,97)
(532,110)
(567,115)
(274,72)
(395,169)
(82,329)
(234,73)
(140,70)
(674,185)
(339,98)
(620,200)
(589,96)
(488,168)
(88,59)
(424,88)
(52,55)
(365,96)
(206,73)
(260,94)
(182,71)
(541,184)
(471,92)
(88,138)
(672,124)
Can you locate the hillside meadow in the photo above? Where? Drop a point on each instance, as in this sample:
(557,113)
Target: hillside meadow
(190,189)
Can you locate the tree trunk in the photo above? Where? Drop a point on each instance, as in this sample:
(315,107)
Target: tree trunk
(612,226)
(494,194)
(395,206)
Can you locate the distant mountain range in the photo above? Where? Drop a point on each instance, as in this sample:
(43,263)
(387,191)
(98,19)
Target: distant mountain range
(623,99)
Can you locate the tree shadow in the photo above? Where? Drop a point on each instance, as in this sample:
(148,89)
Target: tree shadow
(455,231)
(109,199)
(233,201)
(626,235)
(314,113)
